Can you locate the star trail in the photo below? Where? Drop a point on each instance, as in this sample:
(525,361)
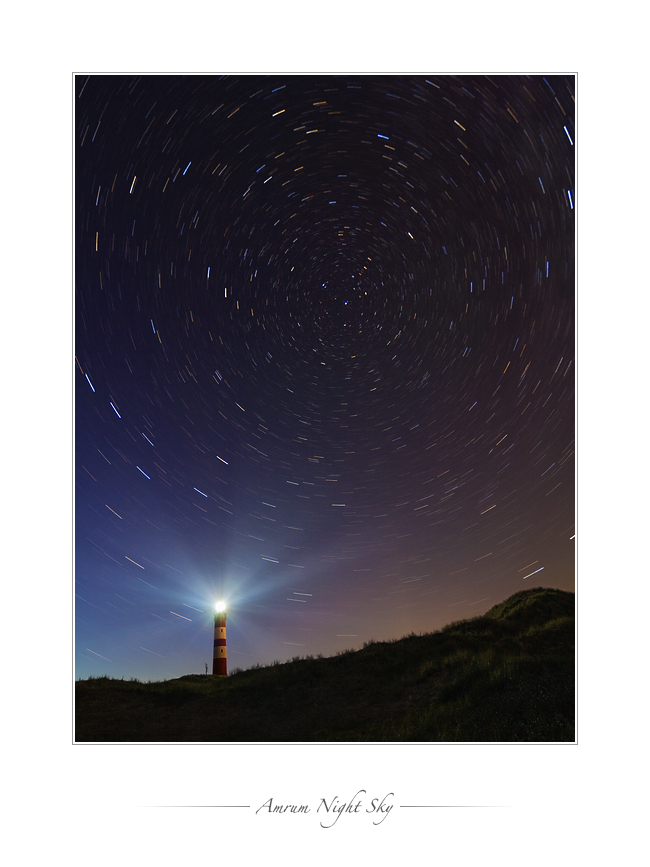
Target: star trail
(324,359)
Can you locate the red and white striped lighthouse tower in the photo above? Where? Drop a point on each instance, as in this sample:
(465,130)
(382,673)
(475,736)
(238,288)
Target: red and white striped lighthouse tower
(219,656)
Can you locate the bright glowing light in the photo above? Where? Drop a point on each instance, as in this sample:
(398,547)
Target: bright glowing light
(220,606)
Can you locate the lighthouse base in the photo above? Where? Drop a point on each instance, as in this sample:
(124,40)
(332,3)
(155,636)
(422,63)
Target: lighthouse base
(219,668)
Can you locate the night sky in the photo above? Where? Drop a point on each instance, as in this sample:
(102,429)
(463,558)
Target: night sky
(324,359)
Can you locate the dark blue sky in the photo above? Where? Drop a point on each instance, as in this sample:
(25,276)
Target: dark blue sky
(325,359)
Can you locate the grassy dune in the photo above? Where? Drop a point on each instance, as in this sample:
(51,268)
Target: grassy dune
(505,676)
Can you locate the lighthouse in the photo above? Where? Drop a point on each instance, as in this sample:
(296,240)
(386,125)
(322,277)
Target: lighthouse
(219,665)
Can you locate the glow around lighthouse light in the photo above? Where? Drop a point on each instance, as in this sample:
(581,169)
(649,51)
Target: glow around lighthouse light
(220,606)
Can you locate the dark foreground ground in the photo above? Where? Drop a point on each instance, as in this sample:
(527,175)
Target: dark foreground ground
(505,676)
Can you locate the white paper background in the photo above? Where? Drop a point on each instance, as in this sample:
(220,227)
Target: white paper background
(96,805)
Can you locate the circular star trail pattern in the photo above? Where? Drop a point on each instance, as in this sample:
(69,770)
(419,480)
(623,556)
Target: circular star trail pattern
(324,359)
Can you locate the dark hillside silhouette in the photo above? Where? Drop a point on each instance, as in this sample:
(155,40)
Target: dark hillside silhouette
(508,675)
